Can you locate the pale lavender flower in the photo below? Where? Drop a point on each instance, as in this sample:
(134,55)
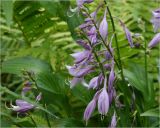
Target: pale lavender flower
(89,110)
(154,41)
(113,121)
(95,82)
(156,19)
(103,28)
(75,81)
(92,35)
(80,56)
(83,44)
(128,34)
(80,70)
(22,106)
(103,100)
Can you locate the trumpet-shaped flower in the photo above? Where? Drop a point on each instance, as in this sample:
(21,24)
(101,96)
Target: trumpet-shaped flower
(154,41)
(156,19)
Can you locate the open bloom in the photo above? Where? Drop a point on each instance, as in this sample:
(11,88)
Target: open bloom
(23,106)
(156,19)
(103,28)
(154,41)
(80,70)
(80,56)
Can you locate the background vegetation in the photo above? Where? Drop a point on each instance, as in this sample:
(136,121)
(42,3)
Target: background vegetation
(38,36)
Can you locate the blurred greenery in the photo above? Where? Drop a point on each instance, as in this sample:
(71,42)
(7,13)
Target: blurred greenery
(39,36)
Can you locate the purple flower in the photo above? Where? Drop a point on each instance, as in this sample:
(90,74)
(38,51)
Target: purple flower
(22,106)
(103,102)
(92,35)
(128,34)
(80,56)
(80,70)
(154,41)
(75,81)
(103,28)
(81,2)
(93,83)
(96,81)
(156,19)
(89,110)
(83,44)
(113,121)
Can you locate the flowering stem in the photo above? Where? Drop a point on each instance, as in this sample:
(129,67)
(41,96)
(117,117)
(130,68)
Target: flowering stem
(102,39)
(117,46)
(44,102)
(96,56)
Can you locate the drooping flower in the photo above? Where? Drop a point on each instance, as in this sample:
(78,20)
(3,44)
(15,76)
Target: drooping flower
(22,106)
(89,109)
(83,44)
(75,81)
(80,56)
(95,82)
(111,76)
(103,100)
(156,19)
(128,34)
(103,28)
(80,70)
(92,35)
(113,121)
(154,41)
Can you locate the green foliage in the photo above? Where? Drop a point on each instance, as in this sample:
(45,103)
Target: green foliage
(38,36)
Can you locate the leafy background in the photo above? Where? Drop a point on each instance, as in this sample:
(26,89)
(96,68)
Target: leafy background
(39,36)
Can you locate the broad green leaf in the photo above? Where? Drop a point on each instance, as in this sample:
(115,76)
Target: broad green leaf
(152,113)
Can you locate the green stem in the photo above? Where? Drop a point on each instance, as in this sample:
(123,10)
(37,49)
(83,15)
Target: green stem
(44,102)
(32,120)
(145,57)
(107,47)
(117,46)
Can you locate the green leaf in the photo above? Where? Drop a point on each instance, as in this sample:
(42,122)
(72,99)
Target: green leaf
(152,113)
(7,6)
(16,65)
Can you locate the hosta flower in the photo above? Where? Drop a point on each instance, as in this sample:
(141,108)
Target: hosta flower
(103,100)
(96,81)
(80,56)
(89,109)
(111,77)
(103,28)
(113,121)
(128,34)
(156,19)
(80,70)
(92,35)
(23,106)
(81,2)
(154,41)
(83,44)
(75,81)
